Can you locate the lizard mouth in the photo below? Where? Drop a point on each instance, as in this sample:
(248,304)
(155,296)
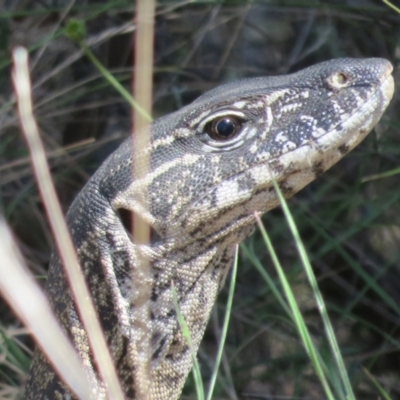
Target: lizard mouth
(299,166)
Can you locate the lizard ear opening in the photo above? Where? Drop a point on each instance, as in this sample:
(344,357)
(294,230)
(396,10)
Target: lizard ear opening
(126,218)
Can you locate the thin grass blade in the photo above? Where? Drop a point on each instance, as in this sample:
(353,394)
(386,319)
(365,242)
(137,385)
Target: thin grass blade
(186,334)
(318,297)
(296,315)
(225,325)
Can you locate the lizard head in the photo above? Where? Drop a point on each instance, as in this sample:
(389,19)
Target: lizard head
(215,159)
(211,166)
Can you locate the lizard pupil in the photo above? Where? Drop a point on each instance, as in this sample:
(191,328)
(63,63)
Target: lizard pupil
(224,128)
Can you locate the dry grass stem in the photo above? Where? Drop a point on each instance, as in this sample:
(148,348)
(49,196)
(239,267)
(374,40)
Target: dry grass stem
(143,79)
(59,227)
(32,307)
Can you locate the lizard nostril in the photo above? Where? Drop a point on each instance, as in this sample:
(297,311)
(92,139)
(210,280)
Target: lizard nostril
(338,80)
(341,78)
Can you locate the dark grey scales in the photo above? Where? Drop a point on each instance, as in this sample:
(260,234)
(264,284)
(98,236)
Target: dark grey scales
(212,163)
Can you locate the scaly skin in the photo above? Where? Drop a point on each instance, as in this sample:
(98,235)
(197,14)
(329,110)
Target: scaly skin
(206,180)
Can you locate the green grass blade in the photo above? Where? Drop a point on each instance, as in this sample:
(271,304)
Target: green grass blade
(265,275)
(379,387)
(382,175)
(336,244)
(76,31)
(114,82)
(296,315)
(186,334)
(388,3)
(225,325)
(318,297)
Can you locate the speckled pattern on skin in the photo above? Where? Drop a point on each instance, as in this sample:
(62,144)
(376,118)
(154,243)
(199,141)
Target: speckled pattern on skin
(201,197)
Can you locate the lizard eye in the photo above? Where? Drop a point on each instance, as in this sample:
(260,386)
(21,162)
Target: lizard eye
(224,128)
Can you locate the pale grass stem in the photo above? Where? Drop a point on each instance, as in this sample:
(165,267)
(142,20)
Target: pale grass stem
(59,228)
(24,295)
(143,93)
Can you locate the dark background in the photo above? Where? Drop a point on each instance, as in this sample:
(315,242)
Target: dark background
(350,228)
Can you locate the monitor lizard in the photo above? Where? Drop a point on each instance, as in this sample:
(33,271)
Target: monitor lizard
(211,168)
